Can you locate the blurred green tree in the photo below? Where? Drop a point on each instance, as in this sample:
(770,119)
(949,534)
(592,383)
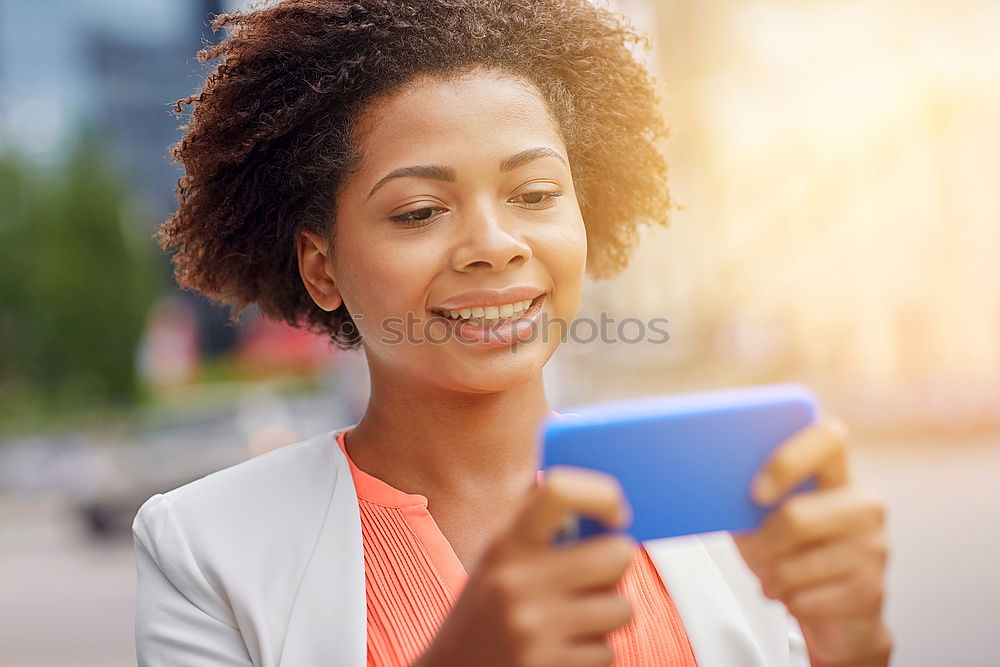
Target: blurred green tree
(76,280)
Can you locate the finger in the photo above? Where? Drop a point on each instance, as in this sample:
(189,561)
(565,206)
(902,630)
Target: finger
(819,449)
(823,563)
(806,518)
(847,597)
(588,653)
(592,616)
(597,562)
(569,491)
(753,549)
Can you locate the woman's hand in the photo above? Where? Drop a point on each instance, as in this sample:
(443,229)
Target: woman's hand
(822,553)
(529,602)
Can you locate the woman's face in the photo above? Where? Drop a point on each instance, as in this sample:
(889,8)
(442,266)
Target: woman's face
(463,199)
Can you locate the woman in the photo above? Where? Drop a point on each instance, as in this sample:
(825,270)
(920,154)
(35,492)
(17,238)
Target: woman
(429,180)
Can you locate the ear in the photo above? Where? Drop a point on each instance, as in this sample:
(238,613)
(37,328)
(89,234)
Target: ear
(315,270)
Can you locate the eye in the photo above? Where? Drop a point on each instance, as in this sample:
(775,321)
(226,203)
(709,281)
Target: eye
(538,199)
(416,217)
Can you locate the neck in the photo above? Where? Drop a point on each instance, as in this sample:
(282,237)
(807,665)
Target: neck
(426,440)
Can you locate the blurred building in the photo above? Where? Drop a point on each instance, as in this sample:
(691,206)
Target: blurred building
(115,67)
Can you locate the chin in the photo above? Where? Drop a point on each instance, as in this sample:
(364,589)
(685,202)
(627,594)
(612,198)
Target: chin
(512,370)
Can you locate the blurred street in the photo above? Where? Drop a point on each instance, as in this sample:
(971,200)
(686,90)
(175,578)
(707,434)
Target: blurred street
(68,601)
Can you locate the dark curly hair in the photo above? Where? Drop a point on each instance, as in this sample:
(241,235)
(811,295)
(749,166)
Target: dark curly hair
(269,141)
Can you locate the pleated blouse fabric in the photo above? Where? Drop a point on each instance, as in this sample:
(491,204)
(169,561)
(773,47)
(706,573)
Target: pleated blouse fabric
(413,577)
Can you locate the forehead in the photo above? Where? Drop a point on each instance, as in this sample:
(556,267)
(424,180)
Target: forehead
(434,117)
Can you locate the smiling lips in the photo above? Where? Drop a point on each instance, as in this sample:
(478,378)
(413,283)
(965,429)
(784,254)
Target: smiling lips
(500,331)
(487,308)
(488,313)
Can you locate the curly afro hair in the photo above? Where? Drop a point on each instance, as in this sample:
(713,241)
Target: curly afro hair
(269,141)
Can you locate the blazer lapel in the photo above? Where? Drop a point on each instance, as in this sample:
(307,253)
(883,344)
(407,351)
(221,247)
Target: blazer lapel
(327,624)
(727,625)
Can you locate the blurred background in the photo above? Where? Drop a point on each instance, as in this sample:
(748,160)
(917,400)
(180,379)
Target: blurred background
(838,225)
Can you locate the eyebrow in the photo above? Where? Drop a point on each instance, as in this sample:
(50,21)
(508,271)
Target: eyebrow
(438,172)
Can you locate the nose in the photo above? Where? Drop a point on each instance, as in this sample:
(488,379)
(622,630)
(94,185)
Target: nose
(489,240)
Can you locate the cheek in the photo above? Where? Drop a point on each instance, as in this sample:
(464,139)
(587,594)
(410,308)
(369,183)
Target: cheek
(566,257)
(564,243)
(382,279)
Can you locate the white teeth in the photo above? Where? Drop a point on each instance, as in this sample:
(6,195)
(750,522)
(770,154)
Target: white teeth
(490,312)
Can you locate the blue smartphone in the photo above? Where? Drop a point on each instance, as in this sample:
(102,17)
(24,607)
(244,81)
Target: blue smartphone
(684,461)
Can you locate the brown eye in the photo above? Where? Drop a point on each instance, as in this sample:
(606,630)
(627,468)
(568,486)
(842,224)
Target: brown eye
(539,198)
(416,216)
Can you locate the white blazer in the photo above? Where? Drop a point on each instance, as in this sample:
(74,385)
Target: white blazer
(261,564)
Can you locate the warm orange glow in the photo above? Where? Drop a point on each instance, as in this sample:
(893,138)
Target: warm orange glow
(842,224)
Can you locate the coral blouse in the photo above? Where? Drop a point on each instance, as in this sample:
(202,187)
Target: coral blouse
(413,577)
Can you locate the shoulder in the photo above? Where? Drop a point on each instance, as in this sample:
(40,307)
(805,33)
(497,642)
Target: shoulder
(264,512)
(279,479)
(294,478)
